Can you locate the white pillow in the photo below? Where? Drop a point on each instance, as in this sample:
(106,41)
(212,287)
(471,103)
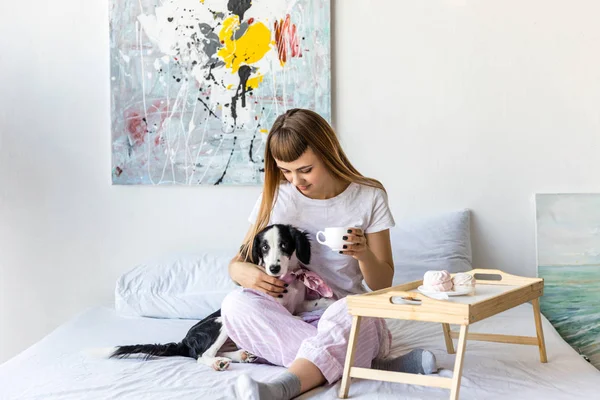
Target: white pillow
(435,242)
(180,285)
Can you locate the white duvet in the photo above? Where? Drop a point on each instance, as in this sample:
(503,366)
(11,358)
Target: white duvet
(57,367)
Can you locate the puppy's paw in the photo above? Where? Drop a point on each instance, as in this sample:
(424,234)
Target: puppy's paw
(216,363)
(247,357)
(221,363)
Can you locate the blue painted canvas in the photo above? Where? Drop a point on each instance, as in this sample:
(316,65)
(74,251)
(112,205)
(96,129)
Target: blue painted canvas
(197,84)
(568,251)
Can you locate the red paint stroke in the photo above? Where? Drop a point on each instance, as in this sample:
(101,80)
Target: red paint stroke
(118,171)
(137,125)
(286,36)
(251,20)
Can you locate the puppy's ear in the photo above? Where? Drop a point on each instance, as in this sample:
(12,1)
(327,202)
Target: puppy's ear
(256,258)
(302,245)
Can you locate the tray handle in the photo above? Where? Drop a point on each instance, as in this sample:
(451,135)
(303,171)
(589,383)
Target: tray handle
(498,277)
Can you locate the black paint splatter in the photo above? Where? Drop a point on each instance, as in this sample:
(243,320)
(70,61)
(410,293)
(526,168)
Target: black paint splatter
(220,180)
(208,108)
(216,14)
(239,7)
(244,74)
(252,144)
(210,75)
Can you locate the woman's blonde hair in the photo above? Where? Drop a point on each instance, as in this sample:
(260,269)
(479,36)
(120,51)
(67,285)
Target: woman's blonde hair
(291,134)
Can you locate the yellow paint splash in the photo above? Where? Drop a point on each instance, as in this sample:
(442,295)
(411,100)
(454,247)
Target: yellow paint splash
(264,131)
(246,50)
(252,83)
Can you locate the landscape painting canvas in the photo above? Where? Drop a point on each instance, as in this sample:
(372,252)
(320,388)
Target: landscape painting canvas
(197,84)
(568,250)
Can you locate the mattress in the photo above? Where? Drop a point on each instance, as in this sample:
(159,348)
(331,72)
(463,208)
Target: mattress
(60,366)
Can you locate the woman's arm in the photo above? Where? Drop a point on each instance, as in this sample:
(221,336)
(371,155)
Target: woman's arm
(250,276)
(374,254)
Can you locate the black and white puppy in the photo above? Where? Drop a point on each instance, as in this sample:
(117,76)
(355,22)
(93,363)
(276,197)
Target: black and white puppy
(280,250)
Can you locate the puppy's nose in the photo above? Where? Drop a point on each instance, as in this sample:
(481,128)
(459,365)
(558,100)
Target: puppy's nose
(274,269)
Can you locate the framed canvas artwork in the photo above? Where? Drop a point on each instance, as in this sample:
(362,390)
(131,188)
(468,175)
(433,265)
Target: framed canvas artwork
(196,84)
(568,254)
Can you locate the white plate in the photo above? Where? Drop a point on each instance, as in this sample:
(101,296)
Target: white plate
(460,292)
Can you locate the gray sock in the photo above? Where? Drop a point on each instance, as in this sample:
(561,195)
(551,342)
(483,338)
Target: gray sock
(285,387)
(416,362)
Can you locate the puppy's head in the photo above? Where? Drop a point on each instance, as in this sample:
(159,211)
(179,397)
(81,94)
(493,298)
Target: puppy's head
(274,247)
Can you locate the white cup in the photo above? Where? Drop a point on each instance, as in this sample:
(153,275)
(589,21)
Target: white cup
(333,238)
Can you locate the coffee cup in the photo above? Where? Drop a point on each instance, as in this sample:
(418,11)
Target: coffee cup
(332,237)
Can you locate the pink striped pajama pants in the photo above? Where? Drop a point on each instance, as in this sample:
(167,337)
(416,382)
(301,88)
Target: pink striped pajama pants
(259,324)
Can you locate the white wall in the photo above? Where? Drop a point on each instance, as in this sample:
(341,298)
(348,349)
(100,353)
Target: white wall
(450,103)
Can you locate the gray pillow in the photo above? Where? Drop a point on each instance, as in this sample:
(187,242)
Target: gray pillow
(434,242)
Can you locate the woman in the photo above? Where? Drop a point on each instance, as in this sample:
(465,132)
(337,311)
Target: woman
(309,183)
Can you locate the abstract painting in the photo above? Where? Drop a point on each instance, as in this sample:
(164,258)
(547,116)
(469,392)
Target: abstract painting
(568,251)
(197,84)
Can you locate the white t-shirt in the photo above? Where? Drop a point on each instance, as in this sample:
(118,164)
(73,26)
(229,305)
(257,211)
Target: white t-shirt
(358,206)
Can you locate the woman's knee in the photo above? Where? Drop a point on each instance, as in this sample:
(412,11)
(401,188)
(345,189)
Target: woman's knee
(337,310)
(337,314)
(240,302)
(233,302)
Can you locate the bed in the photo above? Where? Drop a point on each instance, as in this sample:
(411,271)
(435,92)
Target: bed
(60,366)
(157,301)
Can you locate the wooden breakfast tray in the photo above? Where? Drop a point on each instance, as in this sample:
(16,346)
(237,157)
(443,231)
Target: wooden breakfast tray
(496,291)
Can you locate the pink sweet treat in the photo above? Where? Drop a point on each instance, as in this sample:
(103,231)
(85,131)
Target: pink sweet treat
(438,281)
(463,280)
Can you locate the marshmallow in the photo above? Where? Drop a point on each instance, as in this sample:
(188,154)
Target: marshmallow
(437,281)
(462,280)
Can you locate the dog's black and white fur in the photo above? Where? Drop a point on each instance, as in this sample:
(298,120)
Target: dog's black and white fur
(279,249)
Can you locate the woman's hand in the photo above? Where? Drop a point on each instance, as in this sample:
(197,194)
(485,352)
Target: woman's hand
(374,259)
(357,246)
(250,276)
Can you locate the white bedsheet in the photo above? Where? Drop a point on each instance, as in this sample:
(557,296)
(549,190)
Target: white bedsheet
(58,368)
